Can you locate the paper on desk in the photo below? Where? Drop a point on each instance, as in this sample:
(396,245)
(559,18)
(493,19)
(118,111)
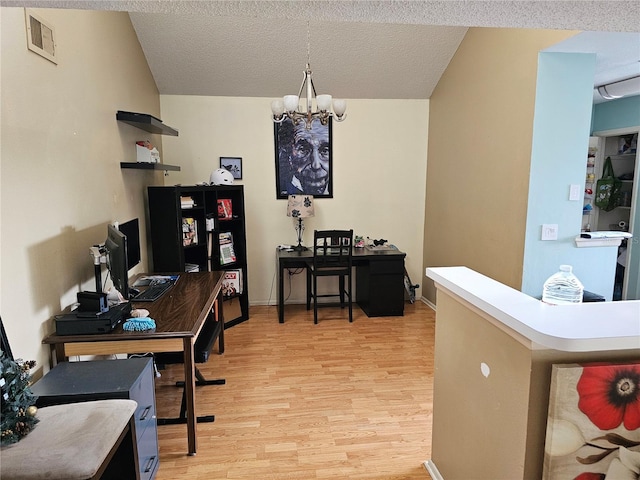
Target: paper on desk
(148,280)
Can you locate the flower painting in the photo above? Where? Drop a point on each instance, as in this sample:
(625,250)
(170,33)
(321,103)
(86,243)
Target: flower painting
(593,429)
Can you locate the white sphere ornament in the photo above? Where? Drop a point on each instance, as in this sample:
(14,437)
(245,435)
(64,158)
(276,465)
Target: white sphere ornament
(221,176)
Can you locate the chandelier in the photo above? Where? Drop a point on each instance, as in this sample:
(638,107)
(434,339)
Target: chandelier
(289,105)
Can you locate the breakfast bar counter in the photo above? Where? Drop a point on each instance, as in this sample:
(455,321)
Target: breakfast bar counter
(494,351)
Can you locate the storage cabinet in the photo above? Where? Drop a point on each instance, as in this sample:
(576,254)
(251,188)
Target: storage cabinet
(380,285)
(202,228)
(71,382)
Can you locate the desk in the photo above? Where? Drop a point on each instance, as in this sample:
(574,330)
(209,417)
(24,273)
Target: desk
(179,315)
(379,279)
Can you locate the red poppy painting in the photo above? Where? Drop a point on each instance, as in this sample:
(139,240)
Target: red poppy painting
(593,427)
(610,395)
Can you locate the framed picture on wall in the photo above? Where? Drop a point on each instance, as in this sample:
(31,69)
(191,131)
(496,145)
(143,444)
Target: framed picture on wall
(234,165)
(593,429)
(304,159)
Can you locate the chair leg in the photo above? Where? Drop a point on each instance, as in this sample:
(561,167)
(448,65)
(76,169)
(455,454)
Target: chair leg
(350,300)
(315,299)
(308,289)
(341,290)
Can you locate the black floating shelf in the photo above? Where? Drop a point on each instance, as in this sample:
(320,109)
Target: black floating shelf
(149,166)
(146,122)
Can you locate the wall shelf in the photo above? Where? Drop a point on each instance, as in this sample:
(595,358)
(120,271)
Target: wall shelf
(149,166)
(146,122)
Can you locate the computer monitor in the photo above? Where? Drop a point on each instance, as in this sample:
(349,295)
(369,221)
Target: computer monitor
(131,229)
(123,253)
(116,250)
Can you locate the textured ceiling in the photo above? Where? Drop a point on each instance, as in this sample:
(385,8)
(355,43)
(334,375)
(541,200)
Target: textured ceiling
(358,49)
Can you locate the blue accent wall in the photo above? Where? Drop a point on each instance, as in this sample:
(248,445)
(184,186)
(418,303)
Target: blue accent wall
(561,129)
(620,113)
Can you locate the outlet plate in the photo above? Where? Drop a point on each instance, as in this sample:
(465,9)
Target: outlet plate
(549,231)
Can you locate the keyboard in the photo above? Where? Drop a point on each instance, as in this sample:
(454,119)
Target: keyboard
(153,292)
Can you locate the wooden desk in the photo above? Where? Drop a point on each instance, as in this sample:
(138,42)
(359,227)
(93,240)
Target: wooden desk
(379,279)
(179,315)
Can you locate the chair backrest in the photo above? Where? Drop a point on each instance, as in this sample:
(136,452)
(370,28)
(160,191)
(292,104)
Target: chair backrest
(4,341)
(332,248)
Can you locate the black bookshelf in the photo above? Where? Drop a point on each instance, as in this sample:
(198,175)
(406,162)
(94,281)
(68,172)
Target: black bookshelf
(185,236)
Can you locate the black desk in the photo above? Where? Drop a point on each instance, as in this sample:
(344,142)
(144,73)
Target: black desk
(379,279)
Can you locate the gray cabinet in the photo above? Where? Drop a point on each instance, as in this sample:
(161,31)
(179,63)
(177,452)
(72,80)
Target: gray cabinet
(71,382)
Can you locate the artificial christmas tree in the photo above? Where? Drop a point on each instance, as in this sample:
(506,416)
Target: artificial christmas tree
(18,410)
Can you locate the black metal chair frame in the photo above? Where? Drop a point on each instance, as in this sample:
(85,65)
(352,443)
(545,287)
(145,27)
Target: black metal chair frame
(331,258)
(211,331)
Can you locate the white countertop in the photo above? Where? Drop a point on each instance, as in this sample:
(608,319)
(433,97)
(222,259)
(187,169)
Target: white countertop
(583,327)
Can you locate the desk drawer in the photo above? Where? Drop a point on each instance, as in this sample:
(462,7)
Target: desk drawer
(385,267)
(148,453)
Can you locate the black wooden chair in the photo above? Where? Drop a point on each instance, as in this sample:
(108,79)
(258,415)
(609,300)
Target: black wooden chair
(331,258)
(212,330)
(4,341)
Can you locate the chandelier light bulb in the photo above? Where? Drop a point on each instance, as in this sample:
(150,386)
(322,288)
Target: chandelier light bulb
(291,103)
(339,107)
(277,108)
(323,102)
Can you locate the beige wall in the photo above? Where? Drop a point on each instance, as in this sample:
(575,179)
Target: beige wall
(379,170)
(480,137)
(61,146)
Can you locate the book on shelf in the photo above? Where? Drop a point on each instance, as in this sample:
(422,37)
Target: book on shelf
(227,253)
(232,283)
(186,202)
(225,208)
(189,231)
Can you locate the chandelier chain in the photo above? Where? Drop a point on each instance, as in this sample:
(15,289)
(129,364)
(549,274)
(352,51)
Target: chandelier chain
(308,44)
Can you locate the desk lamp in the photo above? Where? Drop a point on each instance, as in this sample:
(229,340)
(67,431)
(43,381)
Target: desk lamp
(299,207)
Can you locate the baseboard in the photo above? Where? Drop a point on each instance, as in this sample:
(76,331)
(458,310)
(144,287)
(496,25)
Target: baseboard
(433,470)
(428,303)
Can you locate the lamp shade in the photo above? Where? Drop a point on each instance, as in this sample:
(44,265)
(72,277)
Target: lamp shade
(339,107)
(291,103)
(323,102)
(300,206)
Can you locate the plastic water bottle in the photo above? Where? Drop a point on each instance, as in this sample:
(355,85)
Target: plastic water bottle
(562,288)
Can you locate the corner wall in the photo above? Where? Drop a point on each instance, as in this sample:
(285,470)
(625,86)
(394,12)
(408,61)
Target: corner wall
(61,149)
(480,139)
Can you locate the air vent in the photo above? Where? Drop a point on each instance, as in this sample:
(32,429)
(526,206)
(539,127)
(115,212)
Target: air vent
(40,36)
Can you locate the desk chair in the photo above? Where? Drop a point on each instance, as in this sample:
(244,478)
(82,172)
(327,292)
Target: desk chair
(331,258)
(212,329)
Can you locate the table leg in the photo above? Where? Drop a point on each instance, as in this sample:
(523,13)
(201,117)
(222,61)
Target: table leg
(280,293)
(190,389)
(219,317)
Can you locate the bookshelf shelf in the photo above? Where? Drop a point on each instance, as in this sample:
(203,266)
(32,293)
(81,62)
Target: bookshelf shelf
(169,252)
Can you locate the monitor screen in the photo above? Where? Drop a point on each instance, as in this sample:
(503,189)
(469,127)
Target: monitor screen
(116,247)
(131,229)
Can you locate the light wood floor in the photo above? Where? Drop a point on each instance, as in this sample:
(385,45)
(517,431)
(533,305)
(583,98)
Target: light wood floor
(303,401)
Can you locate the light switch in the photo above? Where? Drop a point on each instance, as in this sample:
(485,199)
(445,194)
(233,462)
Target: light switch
(550,231)
(574,192)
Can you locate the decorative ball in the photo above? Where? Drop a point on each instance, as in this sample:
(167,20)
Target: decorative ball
(32,410)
